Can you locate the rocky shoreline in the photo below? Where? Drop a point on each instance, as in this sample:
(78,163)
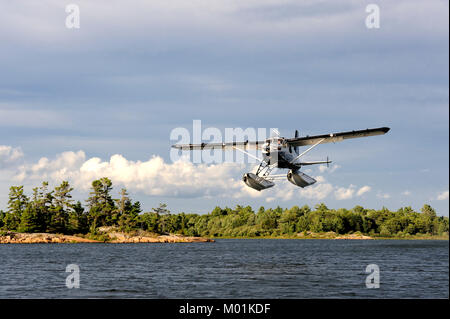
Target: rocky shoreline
(332,235)
(159,239)
(44,238)
(354,236)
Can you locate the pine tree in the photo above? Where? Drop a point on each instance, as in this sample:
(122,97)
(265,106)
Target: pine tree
(129,220)
(30,222)
(58,220)
(120,207)
(17,203)
(43,200)
(61,207)
(2,217)
(100,203)
(163,215)
(62,197)
(78,221)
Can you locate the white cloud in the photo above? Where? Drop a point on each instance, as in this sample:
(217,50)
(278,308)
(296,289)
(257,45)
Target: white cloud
(343,193)
(383,195)
(9,155)
(317,192)
(330,169)
(270,199)
(443,195)
(155,177)
(363,190)
(406,193)
(151,177)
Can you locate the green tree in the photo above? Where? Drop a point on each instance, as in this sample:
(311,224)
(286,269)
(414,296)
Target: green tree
(428,217)
(129,219)
(163,217)
(149,222)
(43,203)
(268,220)
(30,221)
(60,209)
(121,204)
(62,197)
(2,217)
(17,202)
(78,220)
(385,232)
(288,220)
(100,203)
(58,220)
(161,209)
(302,224)
(428,211)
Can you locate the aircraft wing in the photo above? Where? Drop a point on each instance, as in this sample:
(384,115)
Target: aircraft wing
(336,137)
(224,146)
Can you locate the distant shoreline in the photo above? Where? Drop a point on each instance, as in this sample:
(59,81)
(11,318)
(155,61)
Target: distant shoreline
(108,219)
(115,238)
(334,236)
(119,237)
(329,238)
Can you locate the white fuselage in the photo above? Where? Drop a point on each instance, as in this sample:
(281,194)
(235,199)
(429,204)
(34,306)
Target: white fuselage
(275,150)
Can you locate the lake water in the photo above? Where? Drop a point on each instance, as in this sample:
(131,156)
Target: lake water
(228,268)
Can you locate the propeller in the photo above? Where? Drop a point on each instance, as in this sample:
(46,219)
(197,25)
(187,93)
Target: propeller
(296,147)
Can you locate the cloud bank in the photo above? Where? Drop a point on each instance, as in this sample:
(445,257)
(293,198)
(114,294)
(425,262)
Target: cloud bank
(155,177)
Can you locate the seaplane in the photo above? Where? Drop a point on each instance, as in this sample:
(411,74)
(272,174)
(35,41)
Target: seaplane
(283,153)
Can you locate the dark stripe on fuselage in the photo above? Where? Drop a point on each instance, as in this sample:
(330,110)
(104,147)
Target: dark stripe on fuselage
(282,158)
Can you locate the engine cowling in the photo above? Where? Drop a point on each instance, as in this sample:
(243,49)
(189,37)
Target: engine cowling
(300,179)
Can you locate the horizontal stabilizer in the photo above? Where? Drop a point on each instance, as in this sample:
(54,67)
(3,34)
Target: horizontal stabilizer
(313,163)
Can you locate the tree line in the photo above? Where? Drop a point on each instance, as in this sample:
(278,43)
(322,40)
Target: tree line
(54,211)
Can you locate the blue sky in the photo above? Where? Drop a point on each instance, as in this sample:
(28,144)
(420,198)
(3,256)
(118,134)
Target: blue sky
(79,103)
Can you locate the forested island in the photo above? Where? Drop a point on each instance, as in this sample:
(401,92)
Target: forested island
(107,219)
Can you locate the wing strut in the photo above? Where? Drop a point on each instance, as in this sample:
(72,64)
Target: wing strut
(297,157)
(240,150)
